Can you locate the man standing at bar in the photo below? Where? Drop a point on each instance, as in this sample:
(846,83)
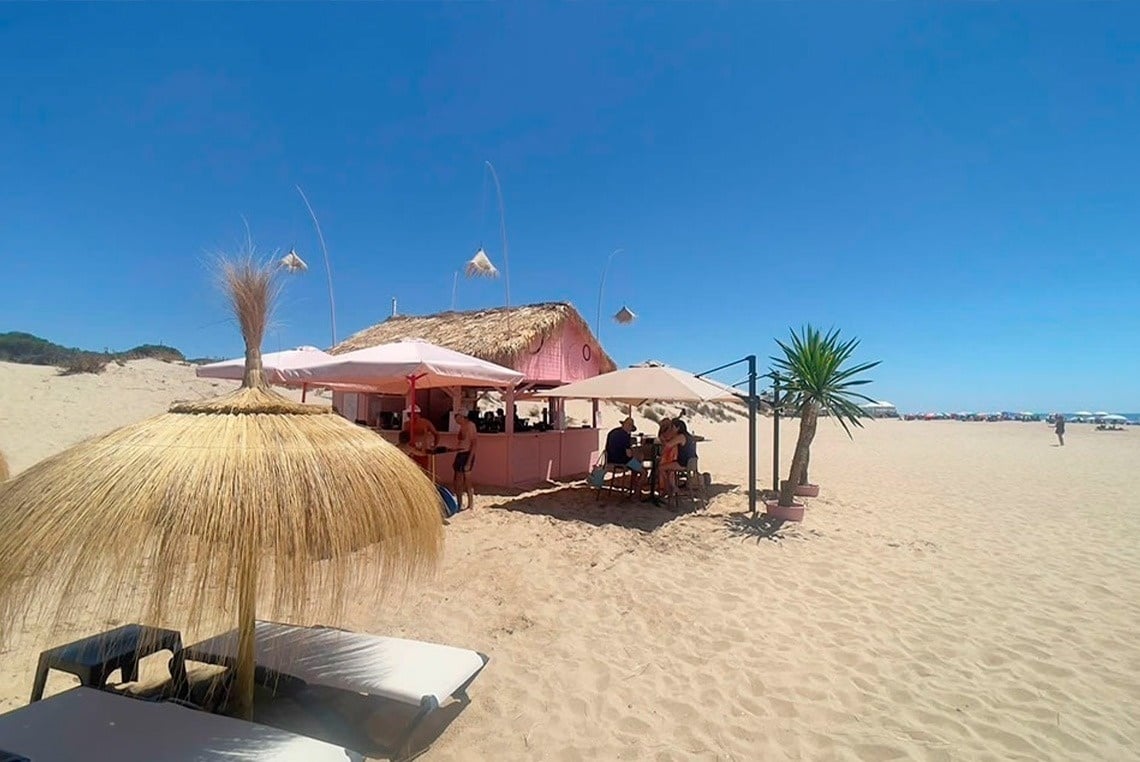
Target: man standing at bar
(465,457)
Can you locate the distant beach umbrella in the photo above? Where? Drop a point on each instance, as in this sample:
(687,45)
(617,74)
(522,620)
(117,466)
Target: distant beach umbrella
(480,266)
(293,263)
(1114,418)
(217,509)
(625,316)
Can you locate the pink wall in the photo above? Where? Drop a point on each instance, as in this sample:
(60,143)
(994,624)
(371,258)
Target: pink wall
(562,358)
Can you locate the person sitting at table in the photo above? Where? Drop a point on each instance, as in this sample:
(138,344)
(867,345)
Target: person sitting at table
(667,438)
(416,454)
(685,449)
(619,452)
(425,429)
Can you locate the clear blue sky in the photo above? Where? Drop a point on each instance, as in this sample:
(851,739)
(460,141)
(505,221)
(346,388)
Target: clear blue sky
(957,185)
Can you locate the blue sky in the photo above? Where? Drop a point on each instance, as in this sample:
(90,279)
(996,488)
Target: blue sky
(954,184)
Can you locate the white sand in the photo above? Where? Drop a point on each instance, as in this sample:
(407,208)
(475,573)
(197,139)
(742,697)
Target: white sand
(959,591)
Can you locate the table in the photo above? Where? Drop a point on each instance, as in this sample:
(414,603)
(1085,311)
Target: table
(94,658)
(650,453)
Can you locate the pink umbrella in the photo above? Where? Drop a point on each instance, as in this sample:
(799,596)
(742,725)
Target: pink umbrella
(404,366)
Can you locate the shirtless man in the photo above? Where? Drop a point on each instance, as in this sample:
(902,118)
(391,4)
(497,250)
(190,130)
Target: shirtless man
(465,457)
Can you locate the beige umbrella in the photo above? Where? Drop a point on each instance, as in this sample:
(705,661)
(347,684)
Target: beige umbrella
(215,509)
(640,384)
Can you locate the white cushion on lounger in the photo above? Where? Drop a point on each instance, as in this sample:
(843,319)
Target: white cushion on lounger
(403,670)
(84,723)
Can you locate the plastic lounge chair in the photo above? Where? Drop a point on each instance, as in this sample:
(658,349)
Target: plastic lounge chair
(410,672)
(85,723)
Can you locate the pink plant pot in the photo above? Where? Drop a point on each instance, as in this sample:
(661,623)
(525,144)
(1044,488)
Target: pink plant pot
(795,512)
(804,490)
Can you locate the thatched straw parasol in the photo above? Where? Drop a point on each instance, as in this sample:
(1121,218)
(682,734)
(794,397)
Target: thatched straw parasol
(218,508)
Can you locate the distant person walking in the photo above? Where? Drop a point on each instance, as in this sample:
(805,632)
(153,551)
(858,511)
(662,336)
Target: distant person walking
(1059,429)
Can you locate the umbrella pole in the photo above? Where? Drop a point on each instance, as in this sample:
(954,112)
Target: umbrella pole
(247,596)
(304,390)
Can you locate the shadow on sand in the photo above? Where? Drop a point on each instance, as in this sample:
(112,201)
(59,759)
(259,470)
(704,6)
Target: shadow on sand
(759,527)
(582,503)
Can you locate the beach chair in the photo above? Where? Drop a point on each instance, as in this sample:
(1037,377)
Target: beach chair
(694,481)
(85,723)
(410,672)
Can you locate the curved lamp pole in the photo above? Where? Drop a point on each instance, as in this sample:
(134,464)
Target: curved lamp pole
(601,290)
(328,267)
(481,264)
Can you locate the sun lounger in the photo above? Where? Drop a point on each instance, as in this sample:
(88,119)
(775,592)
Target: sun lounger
(84,724)
(411,672)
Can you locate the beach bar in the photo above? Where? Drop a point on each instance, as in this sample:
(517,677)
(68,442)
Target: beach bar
(549,343)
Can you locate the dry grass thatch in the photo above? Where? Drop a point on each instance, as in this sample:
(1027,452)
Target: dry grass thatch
(481,333)
(196,517)
(4,470)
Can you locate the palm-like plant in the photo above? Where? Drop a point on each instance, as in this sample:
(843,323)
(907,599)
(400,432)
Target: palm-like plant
(814,375)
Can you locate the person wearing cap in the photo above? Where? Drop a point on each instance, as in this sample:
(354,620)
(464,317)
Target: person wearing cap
(619,452)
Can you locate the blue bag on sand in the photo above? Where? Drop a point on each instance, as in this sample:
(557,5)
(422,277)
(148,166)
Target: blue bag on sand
(450,504)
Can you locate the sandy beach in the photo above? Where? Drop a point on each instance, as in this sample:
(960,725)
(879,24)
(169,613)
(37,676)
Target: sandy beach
(959,591)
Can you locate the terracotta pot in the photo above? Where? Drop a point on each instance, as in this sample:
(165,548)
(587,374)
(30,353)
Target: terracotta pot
(795,512)
(804,490)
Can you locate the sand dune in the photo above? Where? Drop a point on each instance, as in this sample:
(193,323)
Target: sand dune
(959,591)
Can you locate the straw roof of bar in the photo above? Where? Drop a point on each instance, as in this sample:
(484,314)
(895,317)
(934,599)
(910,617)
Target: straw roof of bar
(190,518)
(482,333)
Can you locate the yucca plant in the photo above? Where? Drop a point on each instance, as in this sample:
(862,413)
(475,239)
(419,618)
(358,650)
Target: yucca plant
(815,375)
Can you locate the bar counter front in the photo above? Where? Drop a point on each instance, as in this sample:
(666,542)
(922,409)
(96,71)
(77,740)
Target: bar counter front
(535,457)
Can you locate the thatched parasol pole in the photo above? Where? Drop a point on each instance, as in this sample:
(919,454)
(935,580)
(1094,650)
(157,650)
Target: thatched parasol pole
(251,291)
(247,615)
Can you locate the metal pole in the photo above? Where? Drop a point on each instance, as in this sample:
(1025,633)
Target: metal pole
(776,432)
(752,434)
(601,287)
(752,405)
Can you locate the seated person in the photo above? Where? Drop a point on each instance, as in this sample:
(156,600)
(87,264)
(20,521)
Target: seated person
(425,430)
(619,452)
(686,449)
(413,452)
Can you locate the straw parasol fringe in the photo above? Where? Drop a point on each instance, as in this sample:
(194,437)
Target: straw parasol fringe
(218,509)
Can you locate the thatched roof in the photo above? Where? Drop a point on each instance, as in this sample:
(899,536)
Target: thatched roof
(481,333)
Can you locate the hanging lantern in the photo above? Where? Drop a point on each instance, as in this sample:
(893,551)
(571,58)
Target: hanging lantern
(293,263)
(480,266)
(625,316)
